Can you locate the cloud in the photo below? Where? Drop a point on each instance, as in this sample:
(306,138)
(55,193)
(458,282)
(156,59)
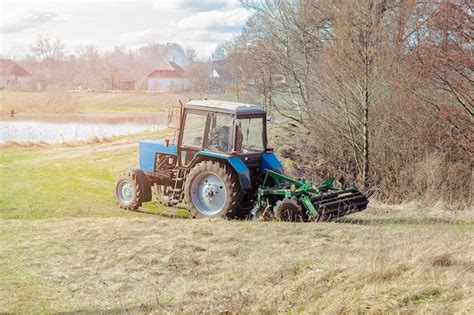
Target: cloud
(202,30)
(33,18)
(203,41)
(195,5)
(170,35)
(220,21)
(11,47)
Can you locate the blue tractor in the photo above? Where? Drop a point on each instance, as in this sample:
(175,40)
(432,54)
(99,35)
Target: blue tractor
(220,164)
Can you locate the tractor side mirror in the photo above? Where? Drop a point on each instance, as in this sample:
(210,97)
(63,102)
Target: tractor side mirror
(174,116)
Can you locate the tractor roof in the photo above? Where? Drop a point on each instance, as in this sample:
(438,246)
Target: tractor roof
(225,107)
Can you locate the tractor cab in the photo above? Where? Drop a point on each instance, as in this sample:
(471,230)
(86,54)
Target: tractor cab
(219,128)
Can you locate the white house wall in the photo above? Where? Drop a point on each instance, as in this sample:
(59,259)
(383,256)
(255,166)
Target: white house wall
(7,81)
(4,79)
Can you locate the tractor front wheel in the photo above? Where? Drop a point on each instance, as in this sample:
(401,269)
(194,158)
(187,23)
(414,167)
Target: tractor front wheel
(212,190)
(129,191)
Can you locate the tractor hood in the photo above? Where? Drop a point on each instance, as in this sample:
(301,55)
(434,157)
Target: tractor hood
(148,151)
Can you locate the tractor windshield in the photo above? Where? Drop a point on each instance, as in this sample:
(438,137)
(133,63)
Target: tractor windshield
(250,135)
(194,129)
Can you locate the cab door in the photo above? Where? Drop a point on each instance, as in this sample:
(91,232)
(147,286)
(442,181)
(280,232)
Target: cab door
(192,137)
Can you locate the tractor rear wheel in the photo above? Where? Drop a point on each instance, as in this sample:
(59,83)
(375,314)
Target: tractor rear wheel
(129,191)
(212,190)
(288,210)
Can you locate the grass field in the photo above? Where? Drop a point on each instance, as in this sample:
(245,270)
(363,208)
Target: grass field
(75,102)
(66,247)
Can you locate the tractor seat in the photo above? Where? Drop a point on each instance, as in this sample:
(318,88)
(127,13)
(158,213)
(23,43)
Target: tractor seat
(219,139)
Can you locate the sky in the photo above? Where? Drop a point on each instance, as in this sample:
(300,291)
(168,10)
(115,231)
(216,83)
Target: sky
(201,24)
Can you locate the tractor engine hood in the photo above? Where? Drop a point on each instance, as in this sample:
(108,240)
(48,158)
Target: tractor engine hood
(148,151)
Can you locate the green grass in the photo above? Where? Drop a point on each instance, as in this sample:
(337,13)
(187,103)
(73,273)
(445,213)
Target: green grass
(48,186)
(56,181)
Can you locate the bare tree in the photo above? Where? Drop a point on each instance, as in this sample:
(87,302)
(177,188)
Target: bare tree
(288,36)
(199,73)
(353,74)
(440,68)
(190,54)
(47,48)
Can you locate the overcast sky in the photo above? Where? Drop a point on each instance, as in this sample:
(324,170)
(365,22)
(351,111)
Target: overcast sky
(201,24)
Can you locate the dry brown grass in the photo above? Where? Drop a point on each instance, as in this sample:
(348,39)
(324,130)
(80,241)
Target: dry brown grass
(41,144)
(403,173)
(114,141)
(71,102)
(150,264)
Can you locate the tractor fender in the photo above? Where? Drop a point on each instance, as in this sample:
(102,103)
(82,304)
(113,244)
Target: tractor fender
(271,162)
(144,183)
(235,162)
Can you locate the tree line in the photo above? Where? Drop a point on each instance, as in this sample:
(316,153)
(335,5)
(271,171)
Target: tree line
(86,67)
(383,90)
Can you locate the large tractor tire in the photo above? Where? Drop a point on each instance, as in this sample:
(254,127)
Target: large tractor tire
(163,195)
(132,189)
(212,190)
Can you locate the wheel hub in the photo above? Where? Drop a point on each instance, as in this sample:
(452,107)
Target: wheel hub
(125,191)
(209,194)
(210,191)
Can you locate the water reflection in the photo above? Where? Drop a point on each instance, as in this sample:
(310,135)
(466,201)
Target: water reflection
(71,127)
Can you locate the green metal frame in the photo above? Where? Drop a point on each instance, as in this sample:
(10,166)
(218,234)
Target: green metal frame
(304,190)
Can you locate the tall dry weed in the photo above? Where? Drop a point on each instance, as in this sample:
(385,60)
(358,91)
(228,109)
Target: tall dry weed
(402,170)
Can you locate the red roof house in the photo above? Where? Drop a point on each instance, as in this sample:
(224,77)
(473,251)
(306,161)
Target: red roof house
(12,75)
(168,77)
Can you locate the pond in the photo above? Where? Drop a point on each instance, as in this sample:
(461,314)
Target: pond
(72,127)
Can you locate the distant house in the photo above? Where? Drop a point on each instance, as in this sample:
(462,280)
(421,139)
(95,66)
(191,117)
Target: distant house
(169,77)
(219,78)
(13,76)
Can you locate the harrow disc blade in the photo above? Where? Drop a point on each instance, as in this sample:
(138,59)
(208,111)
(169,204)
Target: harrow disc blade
(337,204)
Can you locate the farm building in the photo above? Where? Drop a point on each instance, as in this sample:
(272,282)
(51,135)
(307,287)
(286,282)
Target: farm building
(13,76)
(219,79)
(169,77)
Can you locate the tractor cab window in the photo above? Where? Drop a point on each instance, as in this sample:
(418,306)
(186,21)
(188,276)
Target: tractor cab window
(250,135)
(220,133)
(194,130)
